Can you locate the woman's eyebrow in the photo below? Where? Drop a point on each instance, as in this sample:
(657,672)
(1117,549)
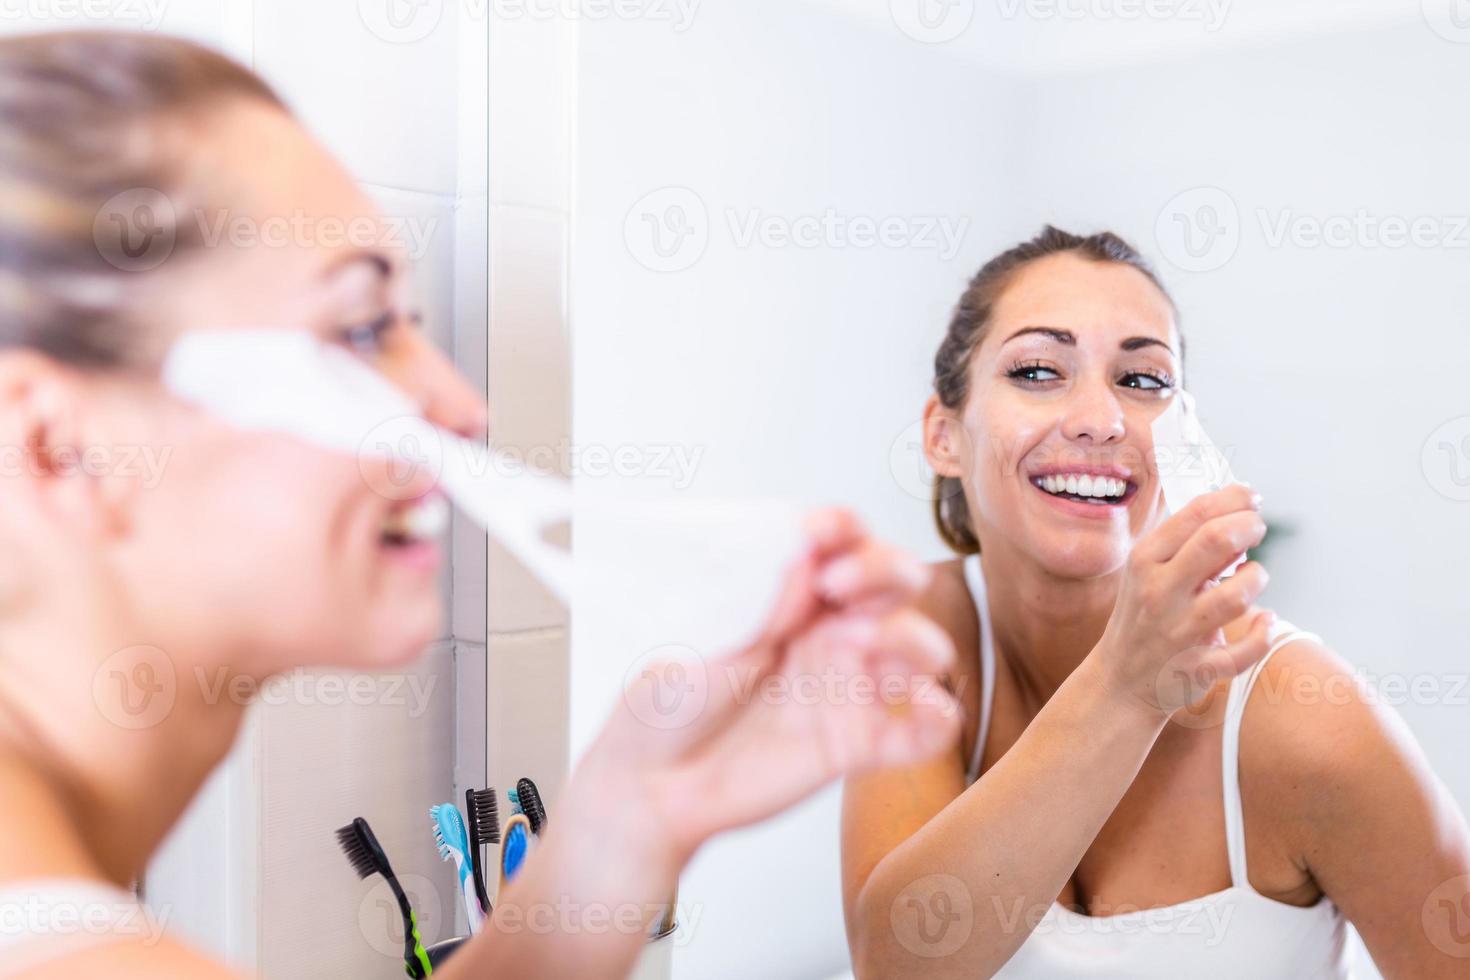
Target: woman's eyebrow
(374,260)
(1134,343)
(1068,338)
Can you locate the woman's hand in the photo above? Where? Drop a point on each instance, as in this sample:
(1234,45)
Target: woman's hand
(1165,647)
(845,676)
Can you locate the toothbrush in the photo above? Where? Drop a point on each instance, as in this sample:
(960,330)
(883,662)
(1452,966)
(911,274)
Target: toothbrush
(362,849)
(517,843)
(454,844)
(528,798)
(482,812)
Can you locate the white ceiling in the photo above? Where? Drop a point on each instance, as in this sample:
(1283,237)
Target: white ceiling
(1052,36)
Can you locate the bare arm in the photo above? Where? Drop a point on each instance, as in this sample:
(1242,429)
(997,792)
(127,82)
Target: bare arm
(942,881)
(1365,816)
(1002,850)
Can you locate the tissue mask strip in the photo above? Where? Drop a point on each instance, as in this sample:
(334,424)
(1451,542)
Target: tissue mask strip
(289,382)
(1189,463)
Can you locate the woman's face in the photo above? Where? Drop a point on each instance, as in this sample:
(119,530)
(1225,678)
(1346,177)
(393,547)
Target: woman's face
(1079,359)
(265,551)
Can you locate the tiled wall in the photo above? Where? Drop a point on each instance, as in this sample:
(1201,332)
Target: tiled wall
(530,113)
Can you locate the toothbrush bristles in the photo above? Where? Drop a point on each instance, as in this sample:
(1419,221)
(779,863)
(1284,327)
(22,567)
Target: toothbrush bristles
(356,848)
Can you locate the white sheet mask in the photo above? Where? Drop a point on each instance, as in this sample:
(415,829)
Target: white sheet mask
(1189,463)
(289,382)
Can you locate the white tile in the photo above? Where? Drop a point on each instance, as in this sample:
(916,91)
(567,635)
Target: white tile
(530,59)
(467,591)
(382,98)
(474,106)
(526,676)
(471,334)
(530,362)
(324,758)
(529,384)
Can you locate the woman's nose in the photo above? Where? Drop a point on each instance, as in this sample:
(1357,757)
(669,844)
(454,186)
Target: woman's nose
(448,399)
(1093,414)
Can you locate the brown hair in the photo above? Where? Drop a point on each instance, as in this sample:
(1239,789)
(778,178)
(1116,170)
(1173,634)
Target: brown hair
(83,125)
(967,328)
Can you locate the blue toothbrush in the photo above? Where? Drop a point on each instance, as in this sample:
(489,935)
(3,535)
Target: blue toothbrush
(454,844)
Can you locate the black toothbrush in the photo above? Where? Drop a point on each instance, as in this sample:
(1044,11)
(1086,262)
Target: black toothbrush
(483,818)
(529,798)
(361,846)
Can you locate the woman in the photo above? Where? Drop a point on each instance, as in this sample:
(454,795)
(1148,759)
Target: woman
(1235,842)
(250,555)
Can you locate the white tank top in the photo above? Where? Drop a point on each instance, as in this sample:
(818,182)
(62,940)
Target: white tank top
(1235,933)
(47,920)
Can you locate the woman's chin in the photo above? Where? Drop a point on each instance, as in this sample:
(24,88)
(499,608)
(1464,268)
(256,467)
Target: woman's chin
(1084,559)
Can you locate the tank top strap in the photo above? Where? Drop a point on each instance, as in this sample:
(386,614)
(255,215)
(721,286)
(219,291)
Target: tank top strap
(1240,692)
(975,579)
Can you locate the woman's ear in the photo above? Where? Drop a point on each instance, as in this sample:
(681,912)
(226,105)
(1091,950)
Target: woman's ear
(54,452)
(946,444)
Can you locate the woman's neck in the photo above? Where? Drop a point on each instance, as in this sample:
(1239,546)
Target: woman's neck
(115,742)
(1044,624)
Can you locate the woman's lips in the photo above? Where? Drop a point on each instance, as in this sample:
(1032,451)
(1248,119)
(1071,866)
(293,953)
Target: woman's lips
(418,556)
(1098,511)
(410,533)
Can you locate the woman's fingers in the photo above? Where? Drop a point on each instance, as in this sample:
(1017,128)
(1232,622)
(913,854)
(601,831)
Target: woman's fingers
(872,573)
(1215,544)
(1231,599)
(830,533)
(1236,658)
(1169,537)
(831,530)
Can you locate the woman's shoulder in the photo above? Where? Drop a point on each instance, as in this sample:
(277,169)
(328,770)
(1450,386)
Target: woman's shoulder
(1315,732)
(948,601)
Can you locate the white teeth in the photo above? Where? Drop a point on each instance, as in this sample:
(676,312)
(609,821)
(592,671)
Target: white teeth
(1085,485)
(422,521)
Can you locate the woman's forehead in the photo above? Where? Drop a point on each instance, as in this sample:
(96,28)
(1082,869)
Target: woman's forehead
(1096,301)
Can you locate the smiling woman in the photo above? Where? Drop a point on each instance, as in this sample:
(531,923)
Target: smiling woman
(1153,801)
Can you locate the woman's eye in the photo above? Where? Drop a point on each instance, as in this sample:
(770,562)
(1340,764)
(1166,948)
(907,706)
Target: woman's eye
(1028,373)
(366,339)
(1151,382)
